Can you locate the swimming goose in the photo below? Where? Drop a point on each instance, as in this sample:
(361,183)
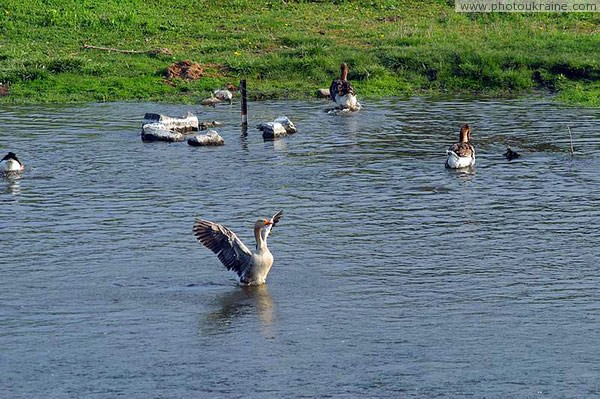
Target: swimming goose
(10,163)
(342,92)
(461,154)
(251,267)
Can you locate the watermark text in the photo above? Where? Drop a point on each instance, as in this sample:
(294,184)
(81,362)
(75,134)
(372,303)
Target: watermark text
(527,6)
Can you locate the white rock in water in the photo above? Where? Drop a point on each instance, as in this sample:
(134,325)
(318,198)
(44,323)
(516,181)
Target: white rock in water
(158,132)
(323,93)
(272,130)
(280,127)
(210,138)
(287,124)
(183,124)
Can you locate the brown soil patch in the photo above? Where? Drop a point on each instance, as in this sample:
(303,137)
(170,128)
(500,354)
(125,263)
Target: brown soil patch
(4,89)
(185,70)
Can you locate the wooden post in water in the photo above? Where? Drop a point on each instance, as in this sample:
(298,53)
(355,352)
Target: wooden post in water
(571,141)
(244,105)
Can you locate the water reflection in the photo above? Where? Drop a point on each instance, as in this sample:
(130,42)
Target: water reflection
(12,184)
(279,145)
(244,137)
(463,174)
(238,304)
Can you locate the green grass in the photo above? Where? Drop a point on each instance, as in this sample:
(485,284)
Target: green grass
(289,49)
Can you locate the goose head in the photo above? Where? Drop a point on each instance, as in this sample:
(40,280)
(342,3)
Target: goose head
(262,227)
(344,72)
(465,133)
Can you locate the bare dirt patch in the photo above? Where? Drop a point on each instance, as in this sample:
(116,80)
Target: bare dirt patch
(187,70)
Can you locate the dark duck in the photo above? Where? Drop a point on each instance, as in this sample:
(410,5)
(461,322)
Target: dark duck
(510,154)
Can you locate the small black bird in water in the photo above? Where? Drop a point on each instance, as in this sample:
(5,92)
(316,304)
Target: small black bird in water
(510,154)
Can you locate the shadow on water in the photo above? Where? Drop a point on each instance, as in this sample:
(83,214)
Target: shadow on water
(233,306)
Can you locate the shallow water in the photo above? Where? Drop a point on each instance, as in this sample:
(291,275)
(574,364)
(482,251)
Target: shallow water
(393,276)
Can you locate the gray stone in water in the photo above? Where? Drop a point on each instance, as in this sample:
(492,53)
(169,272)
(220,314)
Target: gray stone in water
(272,130)
(206,125)
(323,93)
(158,132)
(184,124)
(287,124)
(210,138)
(211,102)
(280,127)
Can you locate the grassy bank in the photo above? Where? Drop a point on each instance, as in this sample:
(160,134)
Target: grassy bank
(289,49)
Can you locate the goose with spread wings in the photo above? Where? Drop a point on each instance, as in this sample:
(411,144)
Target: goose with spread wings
(251,267)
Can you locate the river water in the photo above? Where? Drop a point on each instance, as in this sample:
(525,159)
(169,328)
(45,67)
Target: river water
(393,276)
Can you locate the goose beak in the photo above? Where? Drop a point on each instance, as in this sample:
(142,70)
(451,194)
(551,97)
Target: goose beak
(268,222)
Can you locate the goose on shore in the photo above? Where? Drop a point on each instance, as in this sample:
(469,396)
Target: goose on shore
(223,95)
(342,92)
(10,163)
(251,267)
(461,154)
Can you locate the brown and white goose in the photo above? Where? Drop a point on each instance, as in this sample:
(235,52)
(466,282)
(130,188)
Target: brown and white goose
(251,267)
(342,92)
(461,154)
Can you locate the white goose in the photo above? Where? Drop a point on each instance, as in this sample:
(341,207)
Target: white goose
(10,163)
(224,95)
(461,154)
(342,92)
(251,267)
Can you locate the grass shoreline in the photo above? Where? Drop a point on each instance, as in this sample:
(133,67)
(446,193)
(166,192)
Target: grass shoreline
(290,49)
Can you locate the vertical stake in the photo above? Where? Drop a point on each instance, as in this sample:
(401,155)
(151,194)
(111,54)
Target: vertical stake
(244,104)
(571,141)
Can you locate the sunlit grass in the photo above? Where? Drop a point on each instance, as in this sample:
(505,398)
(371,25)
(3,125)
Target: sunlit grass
(289,49)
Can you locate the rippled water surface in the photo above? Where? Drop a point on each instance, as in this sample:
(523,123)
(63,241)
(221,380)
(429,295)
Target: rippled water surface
(393,276)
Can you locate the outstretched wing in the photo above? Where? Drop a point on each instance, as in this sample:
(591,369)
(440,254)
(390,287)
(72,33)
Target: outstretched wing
(230,250)
(274,220)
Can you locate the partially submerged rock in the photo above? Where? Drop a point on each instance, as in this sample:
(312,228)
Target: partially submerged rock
(184,124)
(323,93)
(210,138)
(157,127)
(158,132)
(272,130)
(280,127)
(206,125)
(210,102)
